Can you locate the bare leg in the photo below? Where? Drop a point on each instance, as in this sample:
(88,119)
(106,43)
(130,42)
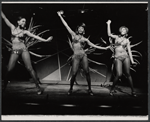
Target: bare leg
(27,62)
(87,74)
(75,66)
(126,65)
(118,68)
(11,65)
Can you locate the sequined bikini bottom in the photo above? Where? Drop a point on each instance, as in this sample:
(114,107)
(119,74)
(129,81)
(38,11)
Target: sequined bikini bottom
(18,51)
(78,56)
(121,58)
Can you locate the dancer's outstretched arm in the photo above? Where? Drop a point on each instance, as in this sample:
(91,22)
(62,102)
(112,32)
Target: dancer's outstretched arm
(8,23)
(65,24)
(109,30)
(37,37)
(95,46)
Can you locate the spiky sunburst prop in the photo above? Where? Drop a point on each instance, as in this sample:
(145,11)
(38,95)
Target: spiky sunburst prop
(29,42)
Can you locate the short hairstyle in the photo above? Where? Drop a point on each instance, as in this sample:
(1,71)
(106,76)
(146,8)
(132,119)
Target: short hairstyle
(20,17)
(123,27)
(81,25)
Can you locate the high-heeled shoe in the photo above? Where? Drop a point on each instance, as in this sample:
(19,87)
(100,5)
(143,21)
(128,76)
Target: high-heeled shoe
(40,91)
(90,92)
(111,93)
(69,92)
(134,94)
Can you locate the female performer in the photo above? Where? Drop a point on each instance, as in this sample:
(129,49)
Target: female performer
(79,56)
(123,56)
(18,34)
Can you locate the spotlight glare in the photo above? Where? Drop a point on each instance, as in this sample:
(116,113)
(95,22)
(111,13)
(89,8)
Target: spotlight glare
(31,103)
(105,106)
(82,11)
(68,105)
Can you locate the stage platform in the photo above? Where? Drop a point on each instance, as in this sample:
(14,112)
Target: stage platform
(20,98)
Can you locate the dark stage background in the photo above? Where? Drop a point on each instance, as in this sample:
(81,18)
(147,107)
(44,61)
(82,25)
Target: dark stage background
(53,67)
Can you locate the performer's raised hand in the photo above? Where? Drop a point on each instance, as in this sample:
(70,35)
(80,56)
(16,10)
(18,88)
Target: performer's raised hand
(108,22)
(60,13)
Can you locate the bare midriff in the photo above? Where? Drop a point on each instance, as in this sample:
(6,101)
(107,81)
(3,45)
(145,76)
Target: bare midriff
(120,48)
(78,49)
(17,43)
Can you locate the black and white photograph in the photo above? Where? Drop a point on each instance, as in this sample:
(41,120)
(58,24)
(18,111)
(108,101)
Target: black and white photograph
(74,60)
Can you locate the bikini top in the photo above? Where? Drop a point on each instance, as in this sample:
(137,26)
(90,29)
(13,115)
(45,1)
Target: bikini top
(19,35)
(121,41)
(76,41)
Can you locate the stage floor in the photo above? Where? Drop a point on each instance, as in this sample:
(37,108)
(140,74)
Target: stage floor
(20,98)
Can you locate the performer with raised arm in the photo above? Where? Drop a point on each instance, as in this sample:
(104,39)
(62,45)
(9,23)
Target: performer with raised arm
(18,34)
(122,56)
(79,56)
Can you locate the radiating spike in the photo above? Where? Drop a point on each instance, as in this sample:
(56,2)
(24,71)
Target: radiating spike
(129,37)
(33,43)
(88,50)
(36,26)
(9,49)
(27,39)
(134,51)
(96,62)
(103,41)
(70,43)
(42,32)
(6,44)
(135,44)
(69,74)
(137,61)
(37,55)
(135,55)
(98,53)
(92,70)
(97,45)
(30,24)
(7,41)
(112,49)
(99,73)
(132,69)
(69,58)
(19,63)
(34,32)
(34,48)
